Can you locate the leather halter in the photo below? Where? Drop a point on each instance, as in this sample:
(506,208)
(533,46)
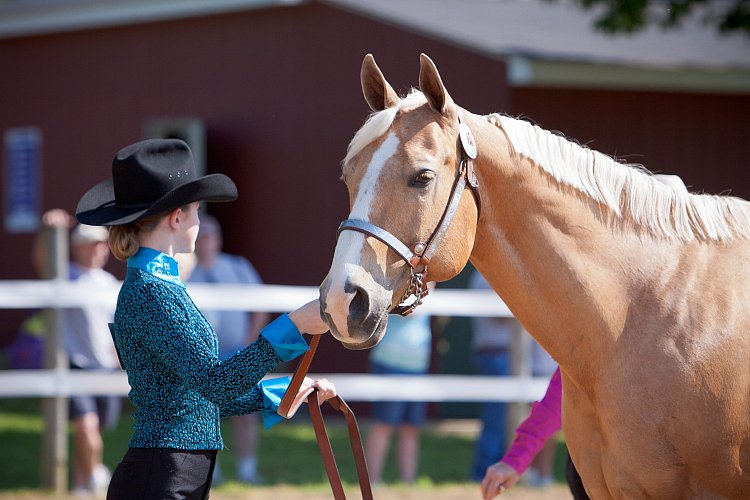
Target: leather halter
(419,255)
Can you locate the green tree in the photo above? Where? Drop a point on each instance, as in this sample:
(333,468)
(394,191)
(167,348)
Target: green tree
(630,16)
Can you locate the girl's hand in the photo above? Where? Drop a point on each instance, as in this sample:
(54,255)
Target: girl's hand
(307,319)
(326,390)
(498,478)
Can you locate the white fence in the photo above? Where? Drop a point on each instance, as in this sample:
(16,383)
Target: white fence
(269,298)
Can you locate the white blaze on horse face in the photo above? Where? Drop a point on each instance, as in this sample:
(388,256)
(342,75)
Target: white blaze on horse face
(346,257)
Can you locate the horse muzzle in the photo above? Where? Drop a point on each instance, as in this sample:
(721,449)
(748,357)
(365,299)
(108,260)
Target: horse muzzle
(356,313)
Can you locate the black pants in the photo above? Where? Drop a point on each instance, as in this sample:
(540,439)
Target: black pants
(574,481)
(162,473)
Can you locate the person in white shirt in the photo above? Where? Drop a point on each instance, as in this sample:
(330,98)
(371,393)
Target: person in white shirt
(89,345)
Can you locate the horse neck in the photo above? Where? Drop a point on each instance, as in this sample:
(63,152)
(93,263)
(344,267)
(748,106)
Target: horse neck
(552,257)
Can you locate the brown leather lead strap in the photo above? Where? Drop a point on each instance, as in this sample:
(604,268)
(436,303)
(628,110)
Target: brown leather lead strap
(299,376)
(288,407)
(325,446)
(355,441)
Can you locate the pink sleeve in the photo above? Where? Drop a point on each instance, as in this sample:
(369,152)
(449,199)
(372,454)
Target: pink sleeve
(543,421)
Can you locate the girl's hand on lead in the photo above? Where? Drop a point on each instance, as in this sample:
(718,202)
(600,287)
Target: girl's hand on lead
(326,390)
(307,319)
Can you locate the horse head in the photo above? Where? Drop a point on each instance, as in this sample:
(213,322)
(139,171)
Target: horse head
(408,222)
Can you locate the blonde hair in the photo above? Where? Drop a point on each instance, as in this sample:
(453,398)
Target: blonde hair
(123,240)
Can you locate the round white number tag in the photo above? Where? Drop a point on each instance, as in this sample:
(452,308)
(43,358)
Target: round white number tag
(467,140)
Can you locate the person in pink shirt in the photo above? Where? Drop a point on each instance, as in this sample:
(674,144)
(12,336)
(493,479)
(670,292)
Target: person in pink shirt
(543,422)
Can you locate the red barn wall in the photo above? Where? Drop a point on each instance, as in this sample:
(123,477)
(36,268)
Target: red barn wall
(278,90)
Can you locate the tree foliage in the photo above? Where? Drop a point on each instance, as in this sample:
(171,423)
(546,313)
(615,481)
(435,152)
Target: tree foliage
(630,16)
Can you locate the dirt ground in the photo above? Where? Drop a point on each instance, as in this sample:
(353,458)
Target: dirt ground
(457,492)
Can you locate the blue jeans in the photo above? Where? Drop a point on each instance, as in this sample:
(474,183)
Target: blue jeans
(490,446)
(397,412)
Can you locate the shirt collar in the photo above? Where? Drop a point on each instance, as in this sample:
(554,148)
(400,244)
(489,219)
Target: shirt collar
(157,264)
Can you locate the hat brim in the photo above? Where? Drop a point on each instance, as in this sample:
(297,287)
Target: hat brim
(98,207)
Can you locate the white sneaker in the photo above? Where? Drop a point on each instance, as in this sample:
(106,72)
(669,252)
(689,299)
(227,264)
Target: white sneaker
(99,480)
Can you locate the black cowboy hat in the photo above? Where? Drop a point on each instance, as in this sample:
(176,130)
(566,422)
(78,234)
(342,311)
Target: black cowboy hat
(150,177)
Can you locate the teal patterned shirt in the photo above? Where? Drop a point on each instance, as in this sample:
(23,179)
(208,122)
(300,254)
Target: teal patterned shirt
(179,387)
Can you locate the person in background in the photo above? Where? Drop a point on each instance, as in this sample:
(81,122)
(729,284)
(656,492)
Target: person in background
(26,352)
(234,329)
(179,387)
(543,422)
(404,350)
(89,346)
(541,472)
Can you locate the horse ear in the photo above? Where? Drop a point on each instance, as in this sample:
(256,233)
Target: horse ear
(377,91)
(431,85)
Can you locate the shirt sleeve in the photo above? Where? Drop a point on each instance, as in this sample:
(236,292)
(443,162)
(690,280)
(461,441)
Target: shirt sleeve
(285,338)
(177,335)
(251,402)
(273,391)
(265,397)
(543,421)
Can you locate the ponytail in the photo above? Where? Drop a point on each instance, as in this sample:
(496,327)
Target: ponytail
(123,240)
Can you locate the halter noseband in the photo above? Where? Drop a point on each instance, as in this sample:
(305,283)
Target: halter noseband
(421,253)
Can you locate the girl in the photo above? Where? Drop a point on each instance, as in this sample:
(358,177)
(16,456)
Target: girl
(179,387)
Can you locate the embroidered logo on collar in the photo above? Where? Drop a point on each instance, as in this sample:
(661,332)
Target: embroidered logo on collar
(157,264)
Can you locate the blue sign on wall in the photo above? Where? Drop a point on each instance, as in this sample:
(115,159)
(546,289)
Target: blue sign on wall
(23,166)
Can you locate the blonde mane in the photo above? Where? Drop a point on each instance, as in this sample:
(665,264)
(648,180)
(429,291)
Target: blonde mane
(629,190)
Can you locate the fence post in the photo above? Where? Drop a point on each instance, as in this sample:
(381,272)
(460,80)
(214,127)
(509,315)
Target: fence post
(55,409)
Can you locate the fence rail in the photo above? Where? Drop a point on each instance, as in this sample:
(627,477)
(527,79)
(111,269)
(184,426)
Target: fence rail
(34,294)
(351,386)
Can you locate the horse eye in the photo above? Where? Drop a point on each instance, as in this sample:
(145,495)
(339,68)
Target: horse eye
(423,178)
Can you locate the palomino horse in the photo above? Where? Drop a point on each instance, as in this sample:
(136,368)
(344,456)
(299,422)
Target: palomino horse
(639,291)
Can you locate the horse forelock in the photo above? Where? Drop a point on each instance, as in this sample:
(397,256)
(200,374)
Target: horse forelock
(629,190)
(378,123)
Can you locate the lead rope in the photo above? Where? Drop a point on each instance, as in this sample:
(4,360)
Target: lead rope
(324,444)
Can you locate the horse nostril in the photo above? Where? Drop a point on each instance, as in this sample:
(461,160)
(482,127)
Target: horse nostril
(359,307)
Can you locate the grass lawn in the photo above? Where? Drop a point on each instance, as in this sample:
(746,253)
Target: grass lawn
(288,452)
